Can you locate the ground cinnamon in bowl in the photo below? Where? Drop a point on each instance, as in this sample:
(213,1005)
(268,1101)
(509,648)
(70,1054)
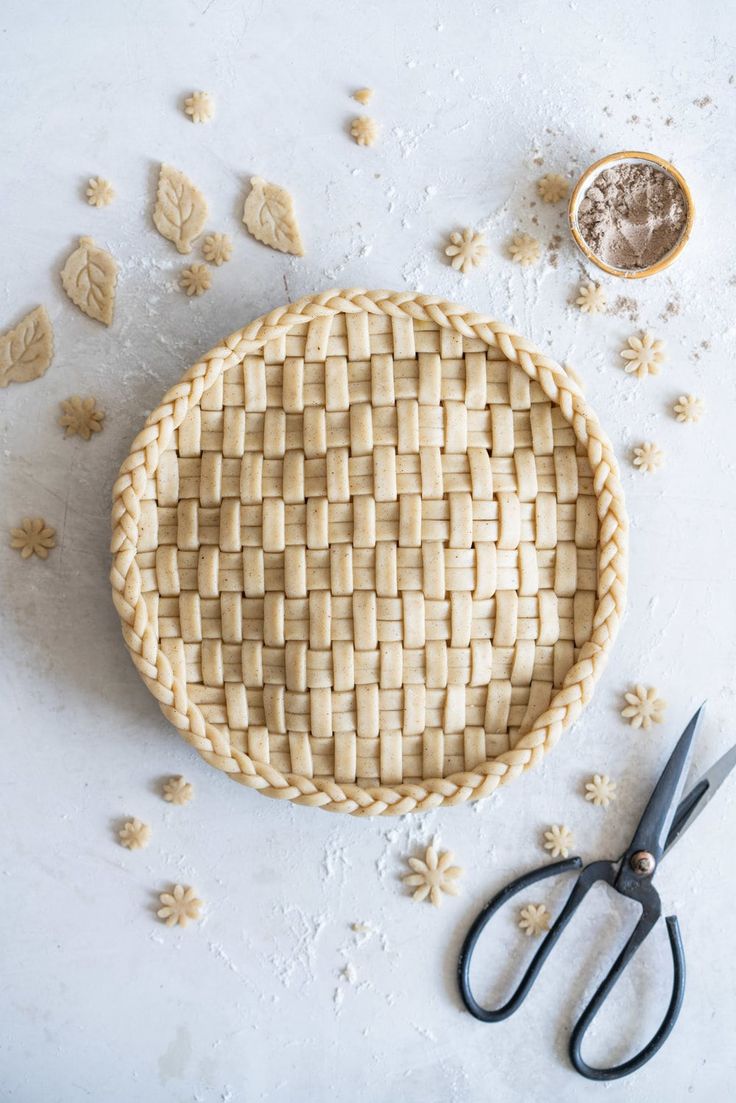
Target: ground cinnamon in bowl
(631,214)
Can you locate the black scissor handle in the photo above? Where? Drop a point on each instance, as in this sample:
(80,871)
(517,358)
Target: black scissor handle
(640,932)
(598,871)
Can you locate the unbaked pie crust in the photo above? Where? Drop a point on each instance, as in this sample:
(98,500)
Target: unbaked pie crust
(370,553)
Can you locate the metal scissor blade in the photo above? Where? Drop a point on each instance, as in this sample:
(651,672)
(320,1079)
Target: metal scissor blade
(654,826)
(699,796)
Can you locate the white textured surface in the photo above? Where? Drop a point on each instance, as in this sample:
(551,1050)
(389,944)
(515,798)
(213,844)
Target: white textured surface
(272,996)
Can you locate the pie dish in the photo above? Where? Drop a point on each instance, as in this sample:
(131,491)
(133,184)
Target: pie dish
(369,554)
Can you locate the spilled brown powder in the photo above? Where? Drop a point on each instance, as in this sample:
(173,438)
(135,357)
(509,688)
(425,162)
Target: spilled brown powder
(632,215)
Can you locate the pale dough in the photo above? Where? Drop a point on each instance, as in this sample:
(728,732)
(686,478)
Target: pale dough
(179,906)
(89,278)
(688,408)
(178,791)
(80,417)
(552,188)
(217,249)
(643,707)
(643,355)
(648,457)
(100,193)
(524,249)
(534,919)
(467,250)
(200,107)
(433,876)
(196,279)
(27,350)
(134,834)
(558,840)
(181,209)
(591,298)
(364,130)
(33,537)
(600,790)
(269,216)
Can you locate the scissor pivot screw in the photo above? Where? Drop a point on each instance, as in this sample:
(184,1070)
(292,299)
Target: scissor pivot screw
(642,863)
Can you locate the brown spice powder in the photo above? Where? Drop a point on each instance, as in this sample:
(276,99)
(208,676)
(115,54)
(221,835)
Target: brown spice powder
(632,215)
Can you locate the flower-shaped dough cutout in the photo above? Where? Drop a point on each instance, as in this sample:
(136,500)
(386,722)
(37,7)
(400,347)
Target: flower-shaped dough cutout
(467,250)
(363,96)
(648,457)
(433,876)
(553,187)
(179,906)
(688,408)
(217,249)
(134,834)
(600,790)
(178,791)
(80,417)
(195,280)
(100,193)
(200,107)
(524,249)
(644,355)
(591,298)
(558,840)
(534,919)
(643,707)
(364,130)
(33,537)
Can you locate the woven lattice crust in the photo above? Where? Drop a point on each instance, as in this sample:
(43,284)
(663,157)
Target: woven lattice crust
(369,554)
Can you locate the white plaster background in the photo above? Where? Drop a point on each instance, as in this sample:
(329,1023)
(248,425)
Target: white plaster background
(98,1000)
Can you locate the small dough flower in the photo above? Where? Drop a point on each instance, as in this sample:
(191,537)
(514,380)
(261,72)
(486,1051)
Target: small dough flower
(100,193)
(433,876)
(558,840)
(33,537)
(364,130)
(648,457)
(200,107)
(600,790)
(644,356)
(134,834)
(524,249)
(591,298)
(80,417)
(552,188)
(363,95)
(179,906)
(467,250)
(217,248)
(178,791)
(643,707)
(195,280)
(688,408)
(533,919)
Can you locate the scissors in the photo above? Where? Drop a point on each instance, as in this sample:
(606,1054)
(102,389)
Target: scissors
(665,820)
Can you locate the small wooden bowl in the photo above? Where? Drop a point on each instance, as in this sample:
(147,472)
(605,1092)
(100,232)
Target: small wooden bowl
(584,183)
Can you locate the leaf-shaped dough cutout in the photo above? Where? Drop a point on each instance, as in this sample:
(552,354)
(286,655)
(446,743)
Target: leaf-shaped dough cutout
(27,351)
(89,277)
(269,216)
(181,209)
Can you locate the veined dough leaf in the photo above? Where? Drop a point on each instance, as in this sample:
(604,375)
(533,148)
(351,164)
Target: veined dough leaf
(270,217)
(181,209)
(26,352)
(89,277)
